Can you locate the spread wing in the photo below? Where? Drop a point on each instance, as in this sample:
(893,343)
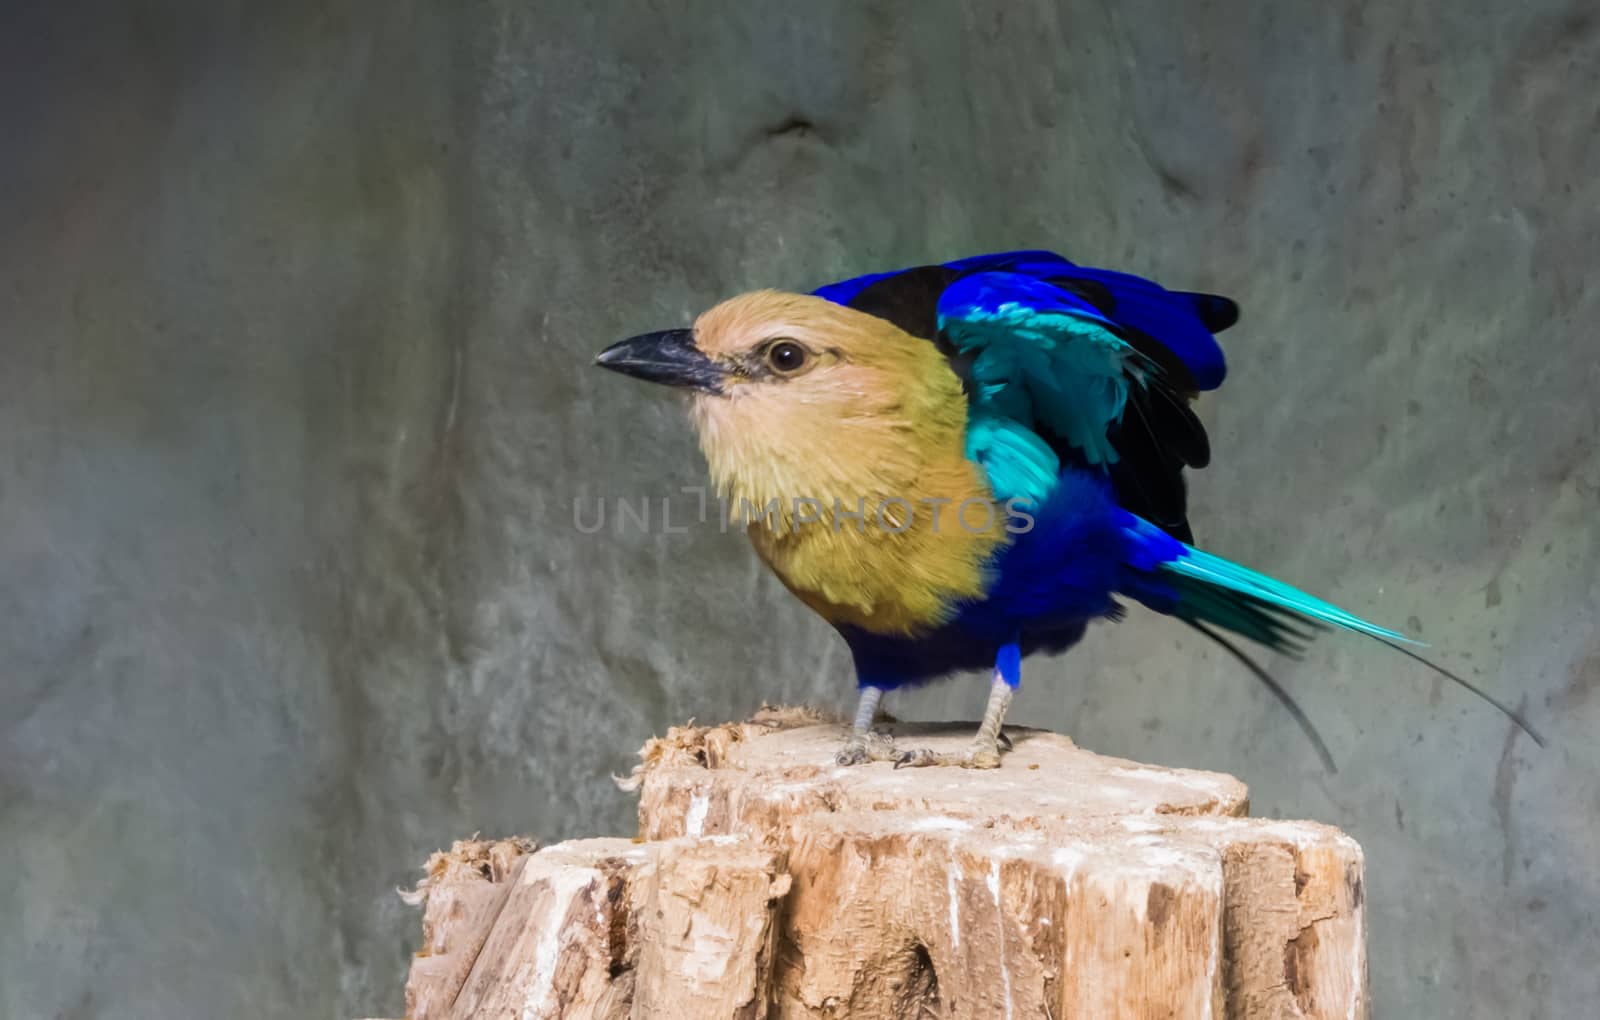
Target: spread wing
(1066,366)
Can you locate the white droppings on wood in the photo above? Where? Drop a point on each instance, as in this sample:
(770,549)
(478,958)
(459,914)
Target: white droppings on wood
(993,882)
(1299,835)
(694,821)
(1358,958)
(1160,859)
(951,877)
(1211,966)
(1069,859)
(709,955)
(782,790)
(564,885)
(939,823)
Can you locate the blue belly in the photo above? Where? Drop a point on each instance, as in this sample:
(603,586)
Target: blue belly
(1046,586)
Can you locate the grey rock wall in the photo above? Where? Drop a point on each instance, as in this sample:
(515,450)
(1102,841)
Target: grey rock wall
(298,302)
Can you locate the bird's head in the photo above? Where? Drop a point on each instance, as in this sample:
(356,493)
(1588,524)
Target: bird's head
(795,393)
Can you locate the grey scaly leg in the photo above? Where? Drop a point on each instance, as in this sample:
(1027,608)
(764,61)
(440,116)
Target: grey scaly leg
(985,750)
(985,753)
(863,745)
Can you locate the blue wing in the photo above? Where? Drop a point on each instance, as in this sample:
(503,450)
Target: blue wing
(1180,321)
(1042,358)
(1066,366)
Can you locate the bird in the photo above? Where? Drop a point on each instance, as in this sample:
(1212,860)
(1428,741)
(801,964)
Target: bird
(962,464)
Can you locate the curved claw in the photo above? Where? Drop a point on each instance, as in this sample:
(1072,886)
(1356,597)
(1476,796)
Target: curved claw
(862,747)
(917,758)
(972,758)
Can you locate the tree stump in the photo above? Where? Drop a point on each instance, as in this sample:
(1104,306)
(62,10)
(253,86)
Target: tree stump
(768,882)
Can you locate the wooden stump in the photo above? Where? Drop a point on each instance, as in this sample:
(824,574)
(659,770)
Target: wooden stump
(769,882)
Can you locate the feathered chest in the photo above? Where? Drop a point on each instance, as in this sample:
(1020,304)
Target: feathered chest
(889,561)
(872,519)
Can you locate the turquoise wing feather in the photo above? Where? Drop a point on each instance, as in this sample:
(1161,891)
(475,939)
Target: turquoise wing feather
(1099,366)
(1040,361)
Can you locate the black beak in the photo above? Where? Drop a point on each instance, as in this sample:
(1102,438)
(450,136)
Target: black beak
(669,357)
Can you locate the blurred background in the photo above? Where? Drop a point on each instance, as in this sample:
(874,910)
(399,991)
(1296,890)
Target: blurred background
(297,308)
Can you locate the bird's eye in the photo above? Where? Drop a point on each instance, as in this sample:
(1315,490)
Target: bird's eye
(787,357)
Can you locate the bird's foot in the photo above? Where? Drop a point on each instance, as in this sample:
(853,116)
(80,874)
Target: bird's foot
(983,754)
(862,746)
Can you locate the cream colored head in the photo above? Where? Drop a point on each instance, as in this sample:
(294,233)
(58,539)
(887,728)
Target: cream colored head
(820,401)
(799,399)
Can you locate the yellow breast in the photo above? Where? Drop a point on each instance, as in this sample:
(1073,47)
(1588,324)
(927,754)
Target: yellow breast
(895,563)
(854,477)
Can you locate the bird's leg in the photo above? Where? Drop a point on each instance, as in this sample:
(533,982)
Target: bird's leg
(985,750)
(985,753)
(864,745)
